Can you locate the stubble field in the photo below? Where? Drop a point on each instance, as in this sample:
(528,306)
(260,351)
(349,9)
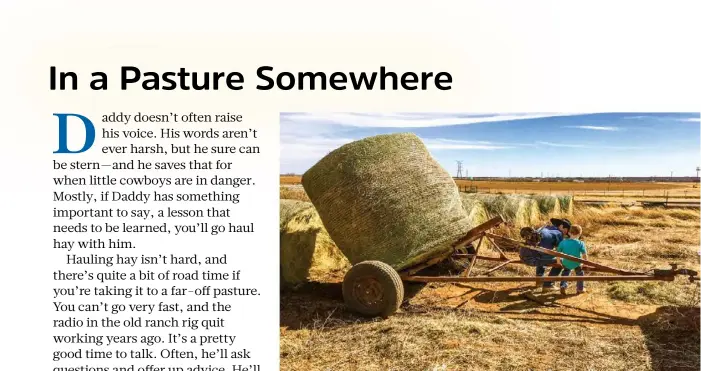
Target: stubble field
(583,191)
(617,326)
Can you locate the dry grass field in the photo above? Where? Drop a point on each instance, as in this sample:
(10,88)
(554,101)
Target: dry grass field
(617,326)
(588,190)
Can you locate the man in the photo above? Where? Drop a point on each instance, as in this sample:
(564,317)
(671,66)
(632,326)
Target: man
(547,237)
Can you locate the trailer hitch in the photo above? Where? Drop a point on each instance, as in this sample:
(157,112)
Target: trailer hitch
(674,271)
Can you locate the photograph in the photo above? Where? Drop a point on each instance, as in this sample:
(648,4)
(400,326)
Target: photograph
(489,241)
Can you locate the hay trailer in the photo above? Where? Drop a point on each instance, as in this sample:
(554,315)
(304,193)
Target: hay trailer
(374,288)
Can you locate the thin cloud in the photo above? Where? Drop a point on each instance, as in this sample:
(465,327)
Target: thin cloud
(574,145)
(658,118)
(405,120)
(298,152)
(600,128)
(550,144)
(450,144)
(317,147)
(297,148)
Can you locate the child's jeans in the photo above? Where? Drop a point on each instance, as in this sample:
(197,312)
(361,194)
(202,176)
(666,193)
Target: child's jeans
(555,271)
(539,262)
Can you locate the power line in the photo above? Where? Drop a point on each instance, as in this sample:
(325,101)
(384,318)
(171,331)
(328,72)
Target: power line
(459,174)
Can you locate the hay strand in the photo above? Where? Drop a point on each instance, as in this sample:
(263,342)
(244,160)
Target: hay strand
(385,198)
(306,249)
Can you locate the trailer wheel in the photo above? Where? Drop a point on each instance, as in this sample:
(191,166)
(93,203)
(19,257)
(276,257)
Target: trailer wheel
(373,288)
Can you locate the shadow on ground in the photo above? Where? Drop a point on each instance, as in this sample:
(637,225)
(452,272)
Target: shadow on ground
(672,338)
(321,304)
(671,333)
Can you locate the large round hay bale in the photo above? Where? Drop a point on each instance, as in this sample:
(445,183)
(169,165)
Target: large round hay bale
(475,209)
(532,209)
(518,210)
(566,204)
(385,198)
(293,193)
(288,209)
(307,252)
(548,205)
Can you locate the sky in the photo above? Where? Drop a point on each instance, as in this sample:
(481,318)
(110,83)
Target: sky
(517,145)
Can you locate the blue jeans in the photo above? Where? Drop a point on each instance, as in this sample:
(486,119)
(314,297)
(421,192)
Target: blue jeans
(539,262)
(554,272)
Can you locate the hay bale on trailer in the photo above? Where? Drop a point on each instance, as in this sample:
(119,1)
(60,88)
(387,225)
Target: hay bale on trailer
(519,210)
(476,214)
(307,252)
(548,205)
(385,198)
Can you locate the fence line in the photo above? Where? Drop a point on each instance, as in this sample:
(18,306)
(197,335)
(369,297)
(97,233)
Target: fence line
(686,194)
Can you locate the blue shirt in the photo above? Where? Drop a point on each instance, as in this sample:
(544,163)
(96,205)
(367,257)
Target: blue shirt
(550,237)
(571,247)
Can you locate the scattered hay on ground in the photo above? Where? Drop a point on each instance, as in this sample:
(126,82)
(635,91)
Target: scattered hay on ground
(688,215)
(434,329)
(654,292)
(385,198)
(306,249)
(438,339)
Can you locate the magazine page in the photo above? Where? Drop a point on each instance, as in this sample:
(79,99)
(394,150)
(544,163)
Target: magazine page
(230,186)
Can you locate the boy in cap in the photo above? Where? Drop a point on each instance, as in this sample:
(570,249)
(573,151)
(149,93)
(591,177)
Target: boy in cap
(574,247)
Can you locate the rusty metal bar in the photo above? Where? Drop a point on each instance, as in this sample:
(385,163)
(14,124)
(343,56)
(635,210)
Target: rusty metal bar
(518,261)
(600,267)
(472,235)
(507,241)
(500,266)
(425,265)
(536,279)
(496,246)
(479,257)
(466,273)
(477,232)
(579,260)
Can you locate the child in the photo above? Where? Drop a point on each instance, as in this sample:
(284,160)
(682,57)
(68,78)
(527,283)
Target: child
(571,246)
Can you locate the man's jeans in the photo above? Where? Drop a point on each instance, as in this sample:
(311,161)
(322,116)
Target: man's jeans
(566,272)
(539,262)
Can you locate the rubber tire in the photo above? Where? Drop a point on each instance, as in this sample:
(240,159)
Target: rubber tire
(392,288)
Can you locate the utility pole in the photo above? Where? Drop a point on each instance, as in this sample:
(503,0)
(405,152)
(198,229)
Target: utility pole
(459,174)
(697,171)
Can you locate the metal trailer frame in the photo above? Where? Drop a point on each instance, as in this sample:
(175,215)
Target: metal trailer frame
(373,288)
